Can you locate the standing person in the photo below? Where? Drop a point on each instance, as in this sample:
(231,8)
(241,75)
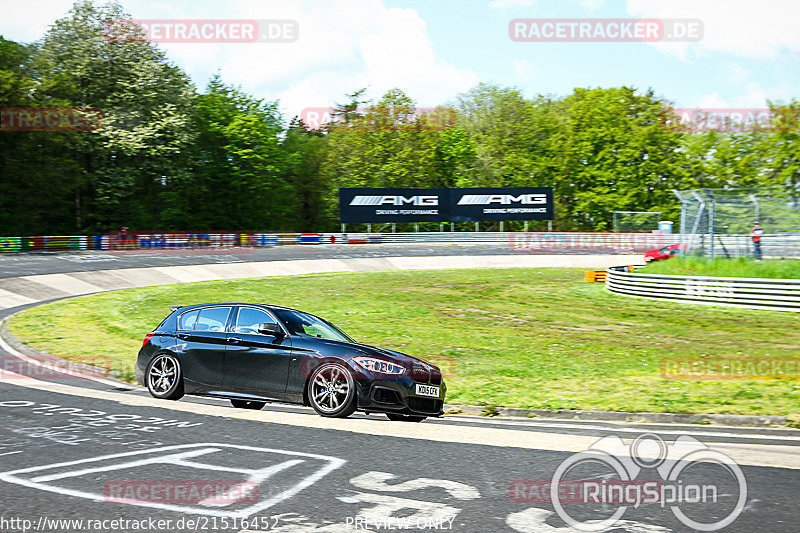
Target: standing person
(122,237)
(756,236)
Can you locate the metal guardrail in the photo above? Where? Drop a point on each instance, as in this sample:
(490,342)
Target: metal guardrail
(521,242)
(534,242)
(751,293)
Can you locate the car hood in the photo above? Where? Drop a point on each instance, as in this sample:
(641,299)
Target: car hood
(366,349)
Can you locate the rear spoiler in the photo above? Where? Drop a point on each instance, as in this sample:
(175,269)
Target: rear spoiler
(174,308)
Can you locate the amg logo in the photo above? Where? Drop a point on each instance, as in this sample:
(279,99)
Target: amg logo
(395,200)
(504,199)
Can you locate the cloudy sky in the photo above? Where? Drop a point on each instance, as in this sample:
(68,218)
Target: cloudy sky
(436,49)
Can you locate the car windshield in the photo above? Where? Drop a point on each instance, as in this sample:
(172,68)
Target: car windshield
(306,325)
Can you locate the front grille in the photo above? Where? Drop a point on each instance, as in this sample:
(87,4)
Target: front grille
(424,405)
(420,374)
(426,374)
(386,396)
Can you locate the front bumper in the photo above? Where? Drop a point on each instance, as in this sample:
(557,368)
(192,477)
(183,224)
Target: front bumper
(399,396)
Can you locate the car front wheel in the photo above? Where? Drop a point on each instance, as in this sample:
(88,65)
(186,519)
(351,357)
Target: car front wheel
(332,391)
(164,377)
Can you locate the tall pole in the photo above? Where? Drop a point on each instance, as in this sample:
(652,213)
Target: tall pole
(711,223)
(682,229)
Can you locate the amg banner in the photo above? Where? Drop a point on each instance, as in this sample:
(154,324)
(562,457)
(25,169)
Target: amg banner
(358,205)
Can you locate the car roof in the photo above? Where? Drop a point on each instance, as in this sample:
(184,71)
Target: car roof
(211,304)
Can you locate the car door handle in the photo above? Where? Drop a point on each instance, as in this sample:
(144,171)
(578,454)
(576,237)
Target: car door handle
(234,339)
(183,336)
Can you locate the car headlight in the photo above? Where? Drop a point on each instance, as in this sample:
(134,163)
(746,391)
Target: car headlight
(379,365)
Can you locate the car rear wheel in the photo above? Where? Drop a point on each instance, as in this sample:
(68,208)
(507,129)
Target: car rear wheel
(405,418)
(164,377)
(247,404)
(332,391)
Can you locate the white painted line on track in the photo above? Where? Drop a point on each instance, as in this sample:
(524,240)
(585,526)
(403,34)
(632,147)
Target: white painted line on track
(11,453)
(623,429)
(767,455)
(11,351)
(177,455)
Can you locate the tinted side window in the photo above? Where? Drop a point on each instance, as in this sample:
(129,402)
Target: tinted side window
(249,319)
(212,319)
(188,320)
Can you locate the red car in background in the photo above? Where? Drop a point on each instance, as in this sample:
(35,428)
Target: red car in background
(663,253)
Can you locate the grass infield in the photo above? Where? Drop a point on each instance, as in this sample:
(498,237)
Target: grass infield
(736,268)
(535,338)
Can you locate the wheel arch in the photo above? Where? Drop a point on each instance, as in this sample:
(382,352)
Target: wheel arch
(317,363)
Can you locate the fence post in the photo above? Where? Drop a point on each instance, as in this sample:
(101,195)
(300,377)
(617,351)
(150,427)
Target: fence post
(711,224)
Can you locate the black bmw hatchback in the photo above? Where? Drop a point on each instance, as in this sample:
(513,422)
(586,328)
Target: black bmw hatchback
(254,353)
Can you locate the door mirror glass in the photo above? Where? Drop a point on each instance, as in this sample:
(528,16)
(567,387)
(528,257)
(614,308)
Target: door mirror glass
(270,328)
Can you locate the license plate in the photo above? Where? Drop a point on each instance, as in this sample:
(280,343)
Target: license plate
(427,390)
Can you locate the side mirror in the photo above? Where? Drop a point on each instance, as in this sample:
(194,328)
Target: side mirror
(270,328)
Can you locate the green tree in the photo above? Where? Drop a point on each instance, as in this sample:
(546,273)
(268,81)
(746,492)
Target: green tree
(500,124)
(140,151)
(38,170)
(312,196)
(237,165)
(391,145)
(618,154)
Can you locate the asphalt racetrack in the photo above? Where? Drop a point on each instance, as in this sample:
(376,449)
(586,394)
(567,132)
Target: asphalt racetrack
(89,454)
(12,265)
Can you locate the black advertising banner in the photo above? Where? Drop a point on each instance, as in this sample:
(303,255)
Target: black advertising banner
(358,205)
(393,205)
(501,203)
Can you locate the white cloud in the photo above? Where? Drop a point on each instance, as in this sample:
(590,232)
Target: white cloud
(27,21)
(754,96)
(591,5)
(525,71)
(344,45)
(738,74)
(737,27)
(507,4)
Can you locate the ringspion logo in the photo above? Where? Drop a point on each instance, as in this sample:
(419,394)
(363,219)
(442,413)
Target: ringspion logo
(608,476)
